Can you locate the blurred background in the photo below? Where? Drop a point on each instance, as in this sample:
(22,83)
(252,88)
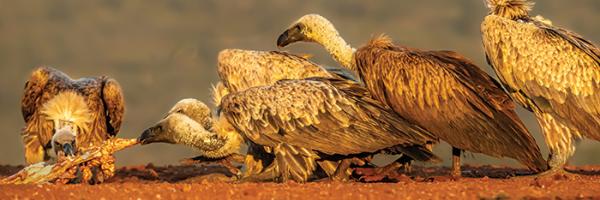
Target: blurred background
(163,51)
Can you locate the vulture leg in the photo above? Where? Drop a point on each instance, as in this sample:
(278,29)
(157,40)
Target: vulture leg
(561,142)
(340,173)
(455,162)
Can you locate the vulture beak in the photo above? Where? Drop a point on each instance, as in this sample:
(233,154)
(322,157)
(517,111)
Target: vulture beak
(151,135)
(290,35)
(63,141)
(68,149)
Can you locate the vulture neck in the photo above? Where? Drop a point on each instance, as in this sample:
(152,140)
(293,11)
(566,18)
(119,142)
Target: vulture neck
(342,52)
(210,144)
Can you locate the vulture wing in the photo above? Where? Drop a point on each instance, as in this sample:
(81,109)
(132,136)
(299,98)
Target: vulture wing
(114,103)
(553,69)
(328,115)
(448,95)
(43,84)
(242,69)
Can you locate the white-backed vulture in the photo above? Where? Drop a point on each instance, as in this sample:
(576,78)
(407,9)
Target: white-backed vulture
(90,108)
(441,91)
(300,122)
(242,69)
(551,71)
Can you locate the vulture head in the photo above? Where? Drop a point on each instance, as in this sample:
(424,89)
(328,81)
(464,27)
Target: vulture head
(190,123)
(63,143)
(70,116)
(317,29)
(309,28)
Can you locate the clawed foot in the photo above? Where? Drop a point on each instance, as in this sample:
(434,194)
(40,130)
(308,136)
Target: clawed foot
(455,174)
(557,174)
(547,178)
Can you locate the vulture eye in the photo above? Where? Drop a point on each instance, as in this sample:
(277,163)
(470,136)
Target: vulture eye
(298,28)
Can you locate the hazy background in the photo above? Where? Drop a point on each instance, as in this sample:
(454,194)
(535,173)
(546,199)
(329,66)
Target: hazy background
(163,51)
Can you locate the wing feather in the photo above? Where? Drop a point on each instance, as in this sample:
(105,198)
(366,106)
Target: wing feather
(242,69)
(448,95)
(553,69)
(333,121)
(44,83)
(114,103)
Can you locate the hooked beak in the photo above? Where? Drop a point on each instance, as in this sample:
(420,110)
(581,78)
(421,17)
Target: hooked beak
(68,150)
(151,135)
(146,136)
(289,36)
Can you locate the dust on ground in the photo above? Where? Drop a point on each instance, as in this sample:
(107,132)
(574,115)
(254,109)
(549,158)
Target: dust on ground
(211,182)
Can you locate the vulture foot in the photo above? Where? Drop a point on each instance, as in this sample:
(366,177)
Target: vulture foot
(389,172)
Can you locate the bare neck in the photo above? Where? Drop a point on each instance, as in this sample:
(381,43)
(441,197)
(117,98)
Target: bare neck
(342,52)
(210,144)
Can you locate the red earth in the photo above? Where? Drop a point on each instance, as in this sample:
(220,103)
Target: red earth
(211,182)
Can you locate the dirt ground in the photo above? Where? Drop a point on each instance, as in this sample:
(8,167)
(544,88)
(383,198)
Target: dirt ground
(207,182)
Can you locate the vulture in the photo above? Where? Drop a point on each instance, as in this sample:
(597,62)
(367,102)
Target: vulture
(441,91)
(56,108)
(548,70)
(298,123)
(241,69)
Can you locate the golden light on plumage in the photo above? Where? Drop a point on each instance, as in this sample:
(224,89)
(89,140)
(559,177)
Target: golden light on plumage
(300,121)
(549,70)
(51,100)
(441,91)
(303,120)
(68,108)
(241,69)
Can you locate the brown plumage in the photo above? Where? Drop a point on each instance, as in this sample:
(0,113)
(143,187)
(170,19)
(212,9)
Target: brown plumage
(301,121)
(241,69)
(292,126)
(439,90)
(93,107)
(549,70)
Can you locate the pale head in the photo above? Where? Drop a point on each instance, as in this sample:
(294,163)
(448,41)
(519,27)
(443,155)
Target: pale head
(315,28)
(182,118)
(64,142)
(180,127)
(309,28)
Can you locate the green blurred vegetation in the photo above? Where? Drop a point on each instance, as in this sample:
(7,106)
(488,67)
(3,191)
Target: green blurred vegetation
(163,51)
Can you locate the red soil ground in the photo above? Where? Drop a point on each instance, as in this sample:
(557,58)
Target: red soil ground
(206,182)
